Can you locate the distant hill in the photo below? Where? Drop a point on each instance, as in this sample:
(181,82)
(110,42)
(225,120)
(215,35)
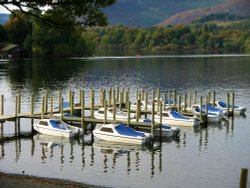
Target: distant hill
(147,13)
(3,18)
(234,8)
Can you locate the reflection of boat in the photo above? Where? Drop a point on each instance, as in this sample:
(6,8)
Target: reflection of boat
(51,141)
(119,115)
(173,118)
(56,128)
(107,147)
(237,109)
(120,133)
(166,130)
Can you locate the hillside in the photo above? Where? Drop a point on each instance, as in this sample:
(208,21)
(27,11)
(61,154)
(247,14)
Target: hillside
(238,8)
(146,13)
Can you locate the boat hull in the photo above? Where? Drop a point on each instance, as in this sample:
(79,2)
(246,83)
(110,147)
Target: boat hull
(54,132)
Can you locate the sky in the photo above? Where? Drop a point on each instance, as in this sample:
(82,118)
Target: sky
(3,10)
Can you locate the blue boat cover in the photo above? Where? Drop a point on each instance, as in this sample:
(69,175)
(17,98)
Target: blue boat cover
(124,130)
(147,120)
(177,115)
(210,108)
(224,105)
(165,127)
(56,125)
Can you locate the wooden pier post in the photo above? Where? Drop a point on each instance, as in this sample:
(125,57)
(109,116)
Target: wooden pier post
(1,105)
(243,178)
(121,101)
(158,99)
(110,97)
(153,118)
(59,100)
(207,103)
(143,94)
(82,107)
(32,104)
(127,99)
(138,110)
(117,94)
(105,112)
(179,103)
(214,98)
(72,104)
(201,101)
(228,99)
(51,106)
(46,102)
(169,98)
(190,99)
(174,97)
(61,107)
(185,102)
(114,109)
(128,123)
(92,102)
(42,113)
(233,102)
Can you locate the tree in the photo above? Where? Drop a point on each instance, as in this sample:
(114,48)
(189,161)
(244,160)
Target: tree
(3,34)
(63,12)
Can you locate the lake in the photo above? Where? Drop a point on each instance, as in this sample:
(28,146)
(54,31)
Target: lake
(205,157)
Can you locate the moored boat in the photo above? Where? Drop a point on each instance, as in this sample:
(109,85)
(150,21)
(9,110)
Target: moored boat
(56,127)
(237,109)
(120,133)
(173,118)
(119,115)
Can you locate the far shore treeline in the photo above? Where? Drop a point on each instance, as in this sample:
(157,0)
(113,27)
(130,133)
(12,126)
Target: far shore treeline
(40,39)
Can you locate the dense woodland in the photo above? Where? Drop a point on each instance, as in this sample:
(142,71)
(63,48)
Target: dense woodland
(38,38)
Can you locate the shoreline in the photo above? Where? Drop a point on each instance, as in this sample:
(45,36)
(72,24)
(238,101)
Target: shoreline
(24,181)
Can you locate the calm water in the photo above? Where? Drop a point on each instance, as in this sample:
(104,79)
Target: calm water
(204,157)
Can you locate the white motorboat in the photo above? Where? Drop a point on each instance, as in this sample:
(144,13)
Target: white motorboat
(173,118)
(119,115)
(212,115)
(56,128)
(237,109)
(120,133)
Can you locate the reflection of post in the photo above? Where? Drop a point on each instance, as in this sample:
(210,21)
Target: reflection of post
(71,152)
(1,130)
(152,163)
(114,160)
(62,156)
(18,148)
(83,156)
(32,145)
(43,157)
(2,147)
(128,163)
(137,161)
(105,163)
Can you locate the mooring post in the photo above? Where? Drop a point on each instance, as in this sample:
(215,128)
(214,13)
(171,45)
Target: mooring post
(207,103)
(160,113)
(228,99)
(105,112)
(61,107)
(82,108)
(233,102)
(175,98)
(190,99)
(209,96)
(114,110)
(92,102)
(117,94)
(153,118)
(146,101)
(42,114)
(72,104)
(51,105)
(185,102)
(179,103)
(19,104)
(110,97)
(32,104)
(16,106)
(101,97)
(164,102)
(214,98)
(201,107)
(128,114)
(138,110)
(121,101)
(127,99)
(158,99)
(1,105)
(59,100)
(243,177)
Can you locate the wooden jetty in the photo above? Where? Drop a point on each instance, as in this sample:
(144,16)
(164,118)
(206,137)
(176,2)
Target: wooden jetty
(112,97)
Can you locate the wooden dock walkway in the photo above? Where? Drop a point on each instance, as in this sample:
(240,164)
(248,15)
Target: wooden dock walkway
(112,98)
